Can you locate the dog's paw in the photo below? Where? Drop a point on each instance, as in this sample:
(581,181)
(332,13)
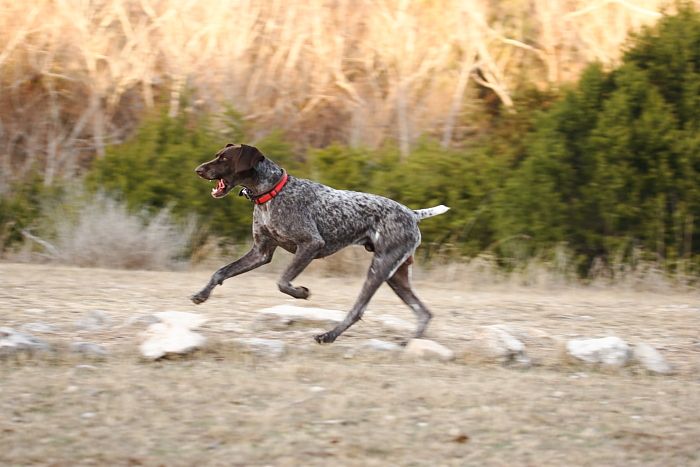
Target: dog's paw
(299,292)
(200,297)
(325,338)
(296,292)
(303,292)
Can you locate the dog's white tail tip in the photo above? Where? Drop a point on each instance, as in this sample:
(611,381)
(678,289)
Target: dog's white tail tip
(440,209)
(430,212)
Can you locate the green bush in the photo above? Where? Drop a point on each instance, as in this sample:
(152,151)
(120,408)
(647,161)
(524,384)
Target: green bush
(430,176)
(21,208)
(155,170)
(614,166)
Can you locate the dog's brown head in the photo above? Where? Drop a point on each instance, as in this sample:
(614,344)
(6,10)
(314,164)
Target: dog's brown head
(229,167)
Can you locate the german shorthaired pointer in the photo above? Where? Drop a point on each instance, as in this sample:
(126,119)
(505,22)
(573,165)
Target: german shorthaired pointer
(313,221)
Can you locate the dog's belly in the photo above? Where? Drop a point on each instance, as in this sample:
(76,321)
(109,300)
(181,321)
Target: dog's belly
(332,245)
(328,249)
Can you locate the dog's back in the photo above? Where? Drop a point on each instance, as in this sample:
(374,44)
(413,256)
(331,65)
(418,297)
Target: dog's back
(342,217)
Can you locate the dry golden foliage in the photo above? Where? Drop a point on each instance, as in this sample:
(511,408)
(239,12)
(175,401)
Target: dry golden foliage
(76,75)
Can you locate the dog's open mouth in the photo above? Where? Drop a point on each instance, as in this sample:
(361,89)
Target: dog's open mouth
(221,189)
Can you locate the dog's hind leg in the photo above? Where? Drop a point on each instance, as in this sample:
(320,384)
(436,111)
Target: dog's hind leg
(400,283)
(381,268)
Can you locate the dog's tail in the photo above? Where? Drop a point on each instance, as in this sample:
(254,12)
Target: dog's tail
(430,212)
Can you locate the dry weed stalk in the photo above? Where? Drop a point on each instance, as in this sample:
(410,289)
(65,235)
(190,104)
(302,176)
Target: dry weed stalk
(98,231)
(75,76)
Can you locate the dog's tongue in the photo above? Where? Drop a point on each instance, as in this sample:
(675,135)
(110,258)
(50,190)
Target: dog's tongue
(220,187)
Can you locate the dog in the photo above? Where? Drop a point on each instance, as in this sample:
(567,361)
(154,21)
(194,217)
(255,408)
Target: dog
(313,221)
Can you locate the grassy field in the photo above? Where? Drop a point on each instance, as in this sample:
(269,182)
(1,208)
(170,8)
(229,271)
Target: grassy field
(318,405)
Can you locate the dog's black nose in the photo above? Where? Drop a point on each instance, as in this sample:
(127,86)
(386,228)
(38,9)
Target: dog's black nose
(199,170)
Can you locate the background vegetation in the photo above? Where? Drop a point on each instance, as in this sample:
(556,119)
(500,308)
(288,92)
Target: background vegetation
(495,114)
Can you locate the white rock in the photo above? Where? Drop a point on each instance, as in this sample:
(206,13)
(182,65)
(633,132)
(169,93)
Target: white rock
(651,359)
(287,315)
(396,324)
(380,345)
(610,351)
(166,338)
(425,348)
(495,342)
(12,341)
(260,346)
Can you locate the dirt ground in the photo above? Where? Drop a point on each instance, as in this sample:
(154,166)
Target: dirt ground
(340,404)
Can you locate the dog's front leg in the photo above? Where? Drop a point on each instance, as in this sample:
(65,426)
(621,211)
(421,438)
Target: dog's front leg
(306,252)
(260,254)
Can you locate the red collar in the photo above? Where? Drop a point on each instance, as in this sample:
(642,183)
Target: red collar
(265,197)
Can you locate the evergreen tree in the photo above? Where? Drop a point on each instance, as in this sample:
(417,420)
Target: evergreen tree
(614,165)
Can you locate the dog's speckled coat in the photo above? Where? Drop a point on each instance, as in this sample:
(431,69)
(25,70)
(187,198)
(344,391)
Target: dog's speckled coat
(312,221)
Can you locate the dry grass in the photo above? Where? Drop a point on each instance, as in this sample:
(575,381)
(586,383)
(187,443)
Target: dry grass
(98,231)
(75,76)
(485,270)
(312,407)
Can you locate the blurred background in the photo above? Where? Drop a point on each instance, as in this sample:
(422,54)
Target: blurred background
(563,134)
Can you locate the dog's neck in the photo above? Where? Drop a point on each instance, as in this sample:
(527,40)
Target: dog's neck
(265,176)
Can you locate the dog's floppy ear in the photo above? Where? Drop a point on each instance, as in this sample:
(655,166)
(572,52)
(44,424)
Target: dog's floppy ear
(229,145)
(248,157)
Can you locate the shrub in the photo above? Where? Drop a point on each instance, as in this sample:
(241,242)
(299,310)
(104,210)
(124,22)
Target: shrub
(155,169)
(99,231)
(20,208)
(614,165)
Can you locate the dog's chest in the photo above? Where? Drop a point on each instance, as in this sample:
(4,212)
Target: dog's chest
(280,228)
(263,216)
(266,219)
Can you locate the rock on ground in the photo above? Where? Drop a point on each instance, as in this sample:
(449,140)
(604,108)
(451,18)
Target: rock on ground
(380,345)
(609,351)
(427,349)
(12,342)
(496,343)
(172,335)
(651,359)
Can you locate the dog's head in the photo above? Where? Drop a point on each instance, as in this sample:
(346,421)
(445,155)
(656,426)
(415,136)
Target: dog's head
(230,166)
